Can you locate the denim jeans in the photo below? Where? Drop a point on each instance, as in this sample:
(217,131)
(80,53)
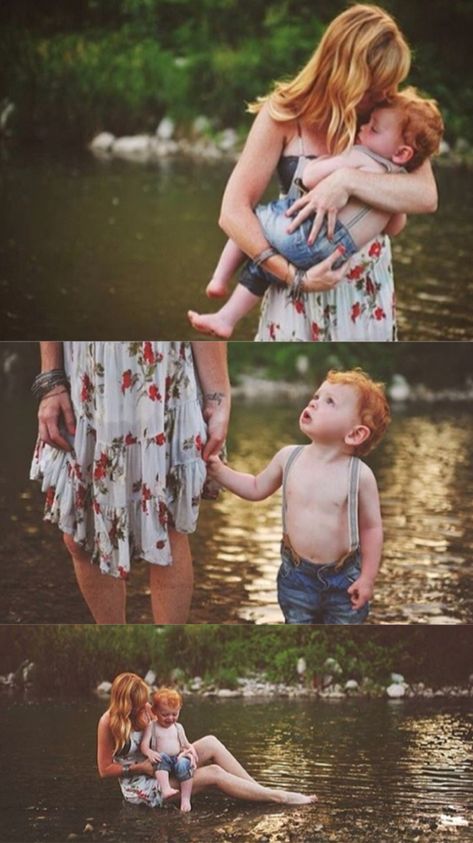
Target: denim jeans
(181,767)
(294,247)
(317,594)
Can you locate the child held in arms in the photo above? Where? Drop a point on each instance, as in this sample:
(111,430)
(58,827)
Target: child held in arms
(331,519)
(401,134)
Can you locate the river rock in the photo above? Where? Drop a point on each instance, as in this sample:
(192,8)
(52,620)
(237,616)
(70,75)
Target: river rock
(226,693)
(399,389)
(88,828)
(334,692)
(103,689)
(150,677)
(227,140)
(166,129)
(301,666)
(397,678)
(332,666)
(396,691)
(196,683)
(201,126)
(351,685)
(132,148)
(102,142)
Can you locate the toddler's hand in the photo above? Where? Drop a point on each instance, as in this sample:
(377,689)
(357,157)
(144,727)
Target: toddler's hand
(153,756)
(214,464)
(360,592)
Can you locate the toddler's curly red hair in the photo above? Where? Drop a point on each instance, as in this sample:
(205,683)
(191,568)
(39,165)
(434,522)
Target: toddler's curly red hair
(373,405)
(166,696)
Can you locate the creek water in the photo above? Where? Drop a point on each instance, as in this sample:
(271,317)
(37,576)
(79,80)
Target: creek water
(382,771)
(111,249)
(424,469)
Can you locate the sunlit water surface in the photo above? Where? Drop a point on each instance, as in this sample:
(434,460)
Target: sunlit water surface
(112,249)
(382,771)
(424,469)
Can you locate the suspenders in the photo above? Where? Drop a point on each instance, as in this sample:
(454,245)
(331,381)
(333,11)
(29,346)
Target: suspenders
(353,488)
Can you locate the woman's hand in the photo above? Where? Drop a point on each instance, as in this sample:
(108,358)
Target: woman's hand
(55,407)
(321,277)
(216,413)
(145,768)
(326,199)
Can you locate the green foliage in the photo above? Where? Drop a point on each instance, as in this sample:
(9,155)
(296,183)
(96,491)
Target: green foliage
(70,660)
(121,65)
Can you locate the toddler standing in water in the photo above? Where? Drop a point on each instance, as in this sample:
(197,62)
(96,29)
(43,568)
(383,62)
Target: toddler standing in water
(332,530)
(165,744)
(400,135)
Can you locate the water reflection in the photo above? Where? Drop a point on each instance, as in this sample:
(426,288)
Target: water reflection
(387,770)
(111,249)
(425,474)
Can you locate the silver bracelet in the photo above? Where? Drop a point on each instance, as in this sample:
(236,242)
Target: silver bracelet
(264,255)
(46,381)
(300,278)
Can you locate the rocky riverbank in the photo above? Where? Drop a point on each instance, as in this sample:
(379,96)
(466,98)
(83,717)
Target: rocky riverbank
(202,142)
(330,684)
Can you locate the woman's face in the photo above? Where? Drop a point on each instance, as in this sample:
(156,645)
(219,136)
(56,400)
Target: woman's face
(370,100)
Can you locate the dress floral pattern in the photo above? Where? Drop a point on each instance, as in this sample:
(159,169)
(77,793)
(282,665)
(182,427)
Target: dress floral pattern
(136,467)
(139,790)
(361,309)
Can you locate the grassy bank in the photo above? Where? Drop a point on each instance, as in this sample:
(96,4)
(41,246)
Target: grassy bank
(70,660)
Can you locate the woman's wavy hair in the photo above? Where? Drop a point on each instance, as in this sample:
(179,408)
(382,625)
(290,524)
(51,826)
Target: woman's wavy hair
(361,51)
(129,694)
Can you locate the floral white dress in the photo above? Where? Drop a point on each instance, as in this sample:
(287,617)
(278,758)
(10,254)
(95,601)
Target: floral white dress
(141,789)
(361,309)
(136,467)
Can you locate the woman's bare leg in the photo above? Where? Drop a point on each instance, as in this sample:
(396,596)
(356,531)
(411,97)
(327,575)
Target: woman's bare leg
(171,586)
(238,788)
(211,750)
(105,595)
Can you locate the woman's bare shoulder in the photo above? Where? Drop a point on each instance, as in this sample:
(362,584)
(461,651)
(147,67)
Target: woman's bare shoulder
(105,719)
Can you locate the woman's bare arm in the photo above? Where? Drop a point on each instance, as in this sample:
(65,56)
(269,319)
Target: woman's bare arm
(410,193)
(247,183)
(211,363)
(56,406)
(107,767)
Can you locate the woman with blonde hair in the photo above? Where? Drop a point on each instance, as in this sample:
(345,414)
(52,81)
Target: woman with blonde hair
(120,732)
(360,61)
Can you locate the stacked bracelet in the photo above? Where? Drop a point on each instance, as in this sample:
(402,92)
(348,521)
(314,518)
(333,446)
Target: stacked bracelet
(264,255)
(46,381)
(297,287)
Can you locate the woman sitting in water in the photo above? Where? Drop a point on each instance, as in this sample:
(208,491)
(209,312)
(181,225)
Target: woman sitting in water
(120,733)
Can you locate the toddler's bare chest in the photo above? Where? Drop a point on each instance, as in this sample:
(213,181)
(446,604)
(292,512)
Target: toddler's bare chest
(326,492)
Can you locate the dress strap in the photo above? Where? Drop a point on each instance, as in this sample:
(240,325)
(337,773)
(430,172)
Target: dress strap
(301,140)
(292,456)
(353,487)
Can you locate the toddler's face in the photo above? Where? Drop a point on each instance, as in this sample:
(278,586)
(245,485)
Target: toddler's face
(331,413)
(166,715)
(382,133)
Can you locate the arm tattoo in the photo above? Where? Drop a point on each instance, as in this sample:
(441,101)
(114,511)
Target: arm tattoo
(215,396)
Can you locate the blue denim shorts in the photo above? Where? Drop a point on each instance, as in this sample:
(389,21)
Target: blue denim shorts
(181,768)
(294,247)
(317,594)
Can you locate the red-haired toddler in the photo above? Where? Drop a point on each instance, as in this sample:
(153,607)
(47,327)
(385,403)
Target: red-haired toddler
(166,745)
(332,530)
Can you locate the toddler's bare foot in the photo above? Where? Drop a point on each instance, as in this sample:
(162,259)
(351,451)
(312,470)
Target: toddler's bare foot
(186,805)
(210,323)
(290,797)
(167,792)
(216,289)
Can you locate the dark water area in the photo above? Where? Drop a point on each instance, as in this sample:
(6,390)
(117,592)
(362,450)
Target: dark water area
(382,771)
(424,469)
(112,249)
